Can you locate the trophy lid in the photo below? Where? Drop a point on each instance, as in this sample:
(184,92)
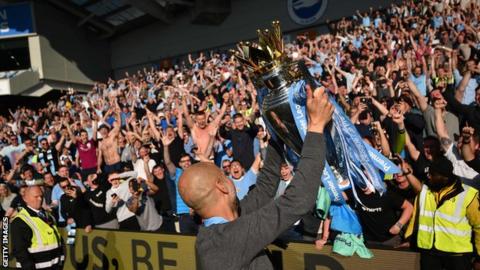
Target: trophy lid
(266,60)
(266,54)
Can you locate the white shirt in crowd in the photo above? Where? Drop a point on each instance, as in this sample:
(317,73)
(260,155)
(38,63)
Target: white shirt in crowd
(139,167)
(123,193)
(460,168)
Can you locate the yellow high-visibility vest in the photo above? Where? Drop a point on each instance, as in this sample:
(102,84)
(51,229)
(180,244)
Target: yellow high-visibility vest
(446,227)
(44,238)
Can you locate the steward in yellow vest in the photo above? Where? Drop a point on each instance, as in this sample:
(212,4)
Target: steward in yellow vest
(36,241)
(446,220)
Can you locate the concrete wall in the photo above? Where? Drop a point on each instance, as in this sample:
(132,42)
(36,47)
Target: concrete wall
(22,81)
(34,48)
(157,41)
(4,87)
(67,52)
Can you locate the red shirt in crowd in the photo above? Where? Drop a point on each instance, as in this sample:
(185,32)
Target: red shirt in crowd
(88,154)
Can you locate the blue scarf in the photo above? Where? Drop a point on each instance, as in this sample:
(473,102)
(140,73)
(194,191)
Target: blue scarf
(353,159)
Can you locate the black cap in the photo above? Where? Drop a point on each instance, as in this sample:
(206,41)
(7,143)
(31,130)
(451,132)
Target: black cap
(103,126)
(442,166)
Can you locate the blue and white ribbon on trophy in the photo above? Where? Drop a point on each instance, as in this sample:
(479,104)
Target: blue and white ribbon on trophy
(355,160)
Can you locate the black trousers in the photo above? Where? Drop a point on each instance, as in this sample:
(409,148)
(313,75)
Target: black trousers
(187,224)
(86,172)
(445,262)
(168,224)
(130,224)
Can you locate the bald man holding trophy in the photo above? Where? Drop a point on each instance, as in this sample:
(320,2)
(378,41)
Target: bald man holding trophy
(308,129)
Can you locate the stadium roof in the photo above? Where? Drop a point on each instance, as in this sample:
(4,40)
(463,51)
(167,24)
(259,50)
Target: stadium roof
(112,17)
(119,16)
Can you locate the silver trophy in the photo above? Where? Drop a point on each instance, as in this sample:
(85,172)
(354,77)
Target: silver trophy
(271,68)
(276,107)
(349,158)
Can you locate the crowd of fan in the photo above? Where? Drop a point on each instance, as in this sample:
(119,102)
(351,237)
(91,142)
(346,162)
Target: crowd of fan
(407,76)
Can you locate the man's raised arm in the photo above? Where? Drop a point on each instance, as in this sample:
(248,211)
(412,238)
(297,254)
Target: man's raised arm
(166,155)
(186,112)
(267,181)
(252,232)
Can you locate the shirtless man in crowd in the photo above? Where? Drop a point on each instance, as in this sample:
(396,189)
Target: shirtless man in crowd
(109,146)
(200,128)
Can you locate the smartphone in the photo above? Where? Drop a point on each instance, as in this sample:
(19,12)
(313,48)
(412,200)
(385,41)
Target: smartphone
(366,101)
(399,92)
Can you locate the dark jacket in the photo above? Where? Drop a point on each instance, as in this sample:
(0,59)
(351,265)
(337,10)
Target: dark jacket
(242,144)
(76,208)
(470,113)
(475,164)
(414,124)
(263,219)
(96,202)
(162,196)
